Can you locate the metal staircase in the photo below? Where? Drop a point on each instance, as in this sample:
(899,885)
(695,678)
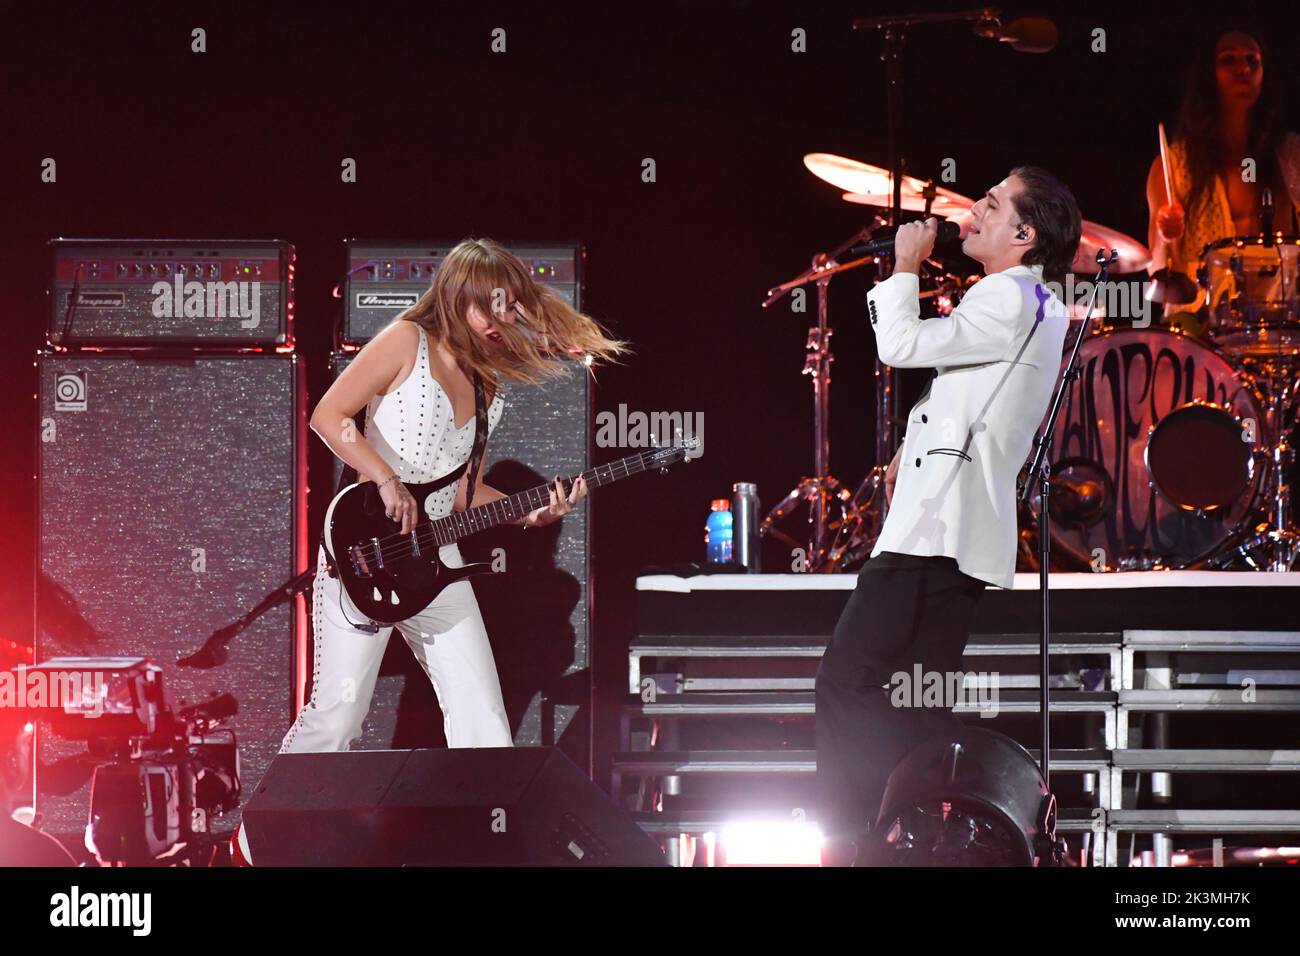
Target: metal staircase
(690,696)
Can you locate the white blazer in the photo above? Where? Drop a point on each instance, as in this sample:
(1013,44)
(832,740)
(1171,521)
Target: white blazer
(996,359)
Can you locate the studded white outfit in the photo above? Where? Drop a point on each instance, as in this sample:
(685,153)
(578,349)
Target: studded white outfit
(413,430)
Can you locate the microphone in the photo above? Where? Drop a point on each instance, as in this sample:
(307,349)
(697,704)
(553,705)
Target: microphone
(1023,34)
(948,231)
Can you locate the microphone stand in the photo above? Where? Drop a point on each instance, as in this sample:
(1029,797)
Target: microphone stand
(1039,472)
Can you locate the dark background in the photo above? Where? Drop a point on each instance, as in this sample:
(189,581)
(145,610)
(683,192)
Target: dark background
(546,141)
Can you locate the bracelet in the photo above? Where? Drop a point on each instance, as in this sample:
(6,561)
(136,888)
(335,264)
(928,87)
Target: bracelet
(386,481)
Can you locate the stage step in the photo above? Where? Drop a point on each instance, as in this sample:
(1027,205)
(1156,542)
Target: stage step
(657,763)
(1225,700)
(1203,821)
(802,703)
(1253,642)
(674,822)
(813,646)
(1207,761)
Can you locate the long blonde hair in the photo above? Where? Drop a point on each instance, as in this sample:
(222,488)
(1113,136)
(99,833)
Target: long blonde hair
(485,274)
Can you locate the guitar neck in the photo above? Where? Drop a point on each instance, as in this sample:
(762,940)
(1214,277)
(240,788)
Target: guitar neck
(460,524)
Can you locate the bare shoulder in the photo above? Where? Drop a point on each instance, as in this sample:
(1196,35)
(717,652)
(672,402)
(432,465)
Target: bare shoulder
(382,363)
(398,336)
(393,348)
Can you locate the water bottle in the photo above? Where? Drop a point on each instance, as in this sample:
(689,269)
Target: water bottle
(744,511)
(717,532)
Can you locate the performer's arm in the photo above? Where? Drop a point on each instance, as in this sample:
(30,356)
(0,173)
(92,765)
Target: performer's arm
(373,370)
(981,329)
(1165,222)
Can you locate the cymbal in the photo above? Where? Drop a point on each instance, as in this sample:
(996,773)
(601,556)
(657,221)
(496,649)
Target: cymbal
(848,174)
(1133,256)
(871,186)
(953,206)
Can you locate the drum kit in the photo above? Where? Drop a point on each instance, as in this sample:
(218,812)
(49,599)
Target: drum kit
(1172,450)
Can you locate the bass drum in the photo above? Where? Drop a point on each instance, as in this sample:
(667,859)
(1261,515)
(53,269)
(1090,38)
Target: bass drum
(1142,473)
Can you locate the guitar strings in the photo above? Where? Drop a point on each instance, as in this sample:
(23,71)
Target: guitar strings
(392,545)
(397,547)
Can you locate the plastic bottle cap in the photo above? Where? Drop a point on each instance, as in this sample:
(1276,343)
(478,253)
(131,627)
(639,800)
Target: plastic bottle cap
(720,504)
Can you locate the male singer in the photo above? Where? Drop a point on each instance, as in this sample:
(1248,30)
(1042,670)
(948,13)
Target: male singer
(951,524)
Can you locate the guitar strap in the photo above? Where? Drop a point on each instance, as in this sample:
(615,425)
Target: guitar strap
(480,437)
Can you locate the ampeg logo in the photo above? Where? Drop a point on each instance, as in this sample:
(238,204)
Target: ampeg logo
(387,300)
(70,392)
(97,299)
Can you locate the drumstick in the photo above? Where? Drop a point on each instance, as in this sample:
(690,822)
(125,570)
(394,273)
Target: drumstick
(1164,161)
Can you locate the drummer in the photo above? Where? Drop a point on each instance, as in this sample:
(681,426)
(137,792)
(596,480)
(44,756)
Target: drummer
(1231,110)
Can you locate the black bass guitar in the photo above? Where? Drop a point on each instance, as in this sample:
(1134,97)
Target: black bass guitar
(390,576)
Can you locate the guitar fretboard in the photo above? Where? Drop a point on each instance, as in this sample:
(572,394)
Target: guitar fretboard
(459,524)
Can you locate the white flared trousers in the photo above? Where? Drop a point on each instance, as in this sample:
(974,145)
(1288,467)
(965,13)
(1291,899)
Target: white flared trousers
(447,638)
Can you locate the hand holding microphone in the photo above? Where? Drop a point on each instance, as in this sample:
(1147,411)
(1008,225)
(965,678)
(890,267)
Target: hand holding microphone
(913,243)
(910,243)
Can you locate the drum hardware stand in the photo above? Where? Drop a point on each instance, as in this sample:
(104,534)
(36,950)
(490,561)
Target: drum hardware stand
(1040,473)
(818,490)
(1278,537)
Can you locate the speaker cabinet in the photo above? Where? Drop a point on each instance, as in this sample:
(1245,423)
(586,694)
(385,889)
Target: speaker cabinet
(171,502)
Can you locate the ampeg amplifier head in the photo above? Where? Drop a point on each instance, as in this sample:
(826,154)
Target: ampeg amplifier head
(134,293)
(384,278)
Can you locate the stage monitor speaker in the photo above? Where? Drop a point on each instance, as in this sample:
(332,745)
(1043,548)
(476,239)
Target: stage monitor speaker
(466,807)
(171,502)
(537,610)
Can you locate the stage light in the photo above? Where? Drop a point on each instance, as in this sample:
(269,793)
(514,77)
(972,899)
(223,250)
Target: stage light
(771,843)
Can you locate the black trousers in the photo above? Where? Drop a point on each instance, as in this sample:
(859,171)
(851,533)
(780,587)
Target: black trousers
(905,610)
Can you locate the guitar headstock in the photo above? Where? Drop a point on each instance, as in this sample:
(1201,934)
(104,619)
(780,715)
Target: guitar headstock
(683,448)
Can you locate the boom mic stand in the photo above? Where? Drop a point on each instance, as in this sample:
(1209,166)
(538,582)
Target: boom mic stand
(1039,473)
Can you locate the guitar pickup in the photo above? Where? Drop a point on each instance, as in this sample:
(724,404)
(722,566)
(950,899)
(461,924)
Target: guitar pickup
(359,563)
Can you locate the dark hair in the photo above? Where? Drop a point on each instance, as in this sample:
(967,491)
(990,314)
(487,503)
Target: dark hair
(1198,119)
(1047,204)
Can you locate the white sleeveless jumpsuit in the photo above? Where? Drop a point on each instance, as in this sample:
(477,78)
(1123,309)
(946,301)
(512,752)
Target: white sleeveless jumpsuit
(413,430)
